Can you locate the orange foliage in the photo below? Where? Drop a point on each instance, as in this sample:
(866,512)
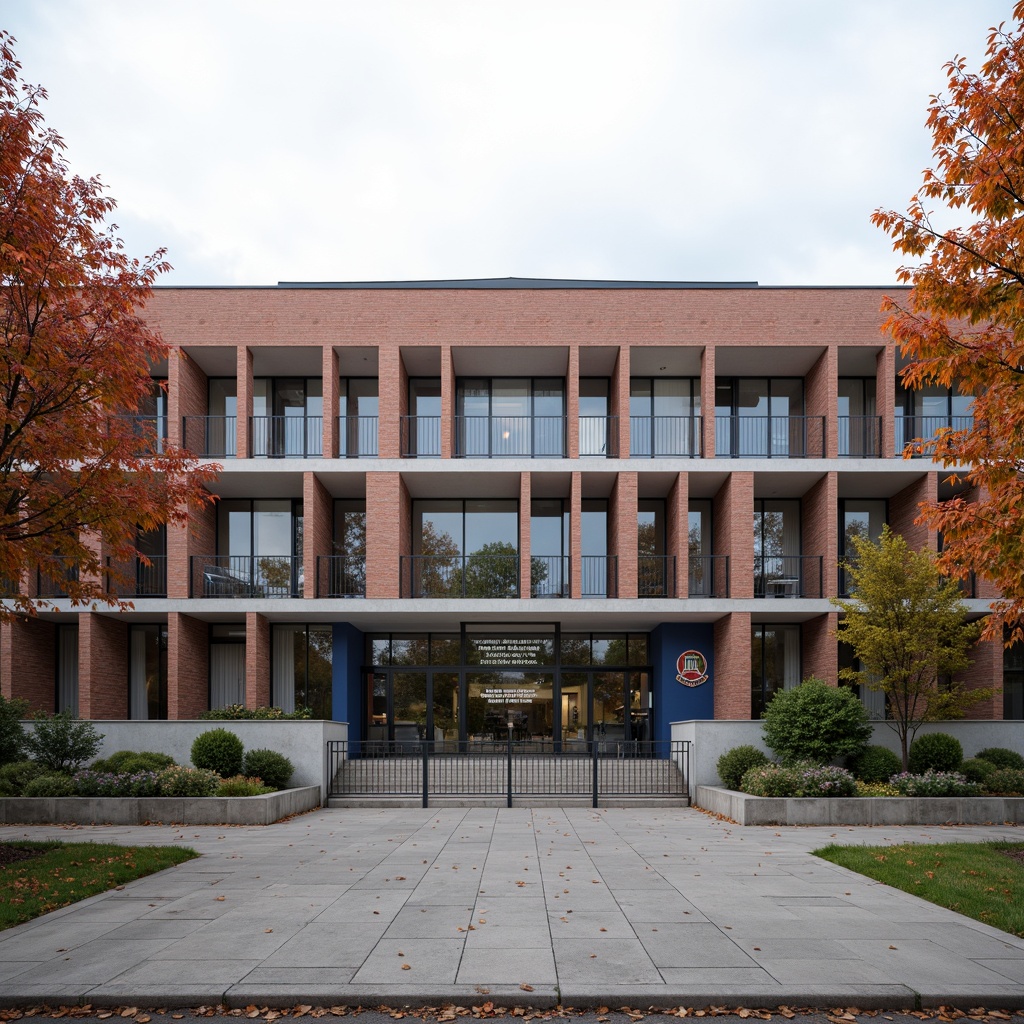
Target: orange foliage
(75,364)
(963,323)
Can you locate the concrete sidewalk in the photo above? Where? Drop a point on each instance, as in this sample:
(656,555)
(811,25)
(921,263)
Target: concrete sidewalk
(582,907)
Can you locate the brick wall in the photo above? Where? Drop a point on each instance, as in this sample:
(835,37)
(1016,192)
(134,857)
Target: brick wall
(245,385)
(820,648)
(28,661)
(257,660)
(986,671)
(733,529)
(188,666)
(904,508)
(677,533)
(821,398)
(389,388)
(331,375)
(622,532)
(317,530)
(820,535)
(732,666)
(102,667)
(385,506)
(197,537)
(187,393)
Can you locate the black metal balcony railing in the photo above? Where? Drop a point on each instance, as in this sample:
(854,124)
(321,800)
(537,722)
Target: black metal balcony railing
(550,575)
(920,428)
(210,436)
(599,437)
(357,437)
(656,576)
(770,437)
(860,437)
(457,576)
(789,576)
(599,576)
(286,437)
(153,428)
(53,583)
(340,576)
(652,437)
(709,576)
(139,578)
(497,437)
(421,437)
(243,576)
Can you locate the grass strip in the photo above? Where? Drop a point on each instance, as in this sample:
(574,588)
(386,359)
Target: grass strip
(64,873)
(980,880)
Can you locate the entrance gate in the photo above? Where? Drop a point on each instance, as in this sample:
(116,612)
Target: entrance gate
(509,770)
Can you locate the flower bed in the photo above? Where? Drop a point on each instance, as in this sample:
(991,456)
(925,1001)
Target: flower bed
(872,810)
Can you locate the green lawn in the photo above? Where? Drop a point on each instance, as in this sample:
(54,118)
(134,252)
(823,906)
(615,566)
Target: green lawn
(51,874)
(981,880)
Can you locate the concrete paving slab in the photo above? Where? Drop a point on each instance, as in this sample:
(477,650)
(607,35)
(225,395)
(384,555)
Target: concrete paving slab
(509,965)
(435,961)
(593,962)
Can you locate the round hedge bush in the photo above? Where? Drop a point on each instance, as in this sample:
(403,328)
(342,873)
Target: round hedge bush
(876,764)
(51,784)
(1001,757)
(935,751)
(16,775)
(180,780)
(130,761)
(218,750)
(273,768)
(974,769)
(816,722)
(735,763)
(1005,782)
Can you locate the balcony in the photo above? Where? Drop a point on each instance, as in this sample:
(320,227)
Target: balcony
(340,576)
(210,437)
(656,437)
(421,437)
(709,576)
(153,428)
(770,437)
(140,579)
(656,576)
(509,437)
(789,576)
(599,437)
(286,437)
(550,576)
(52,577)
(599,576)
(921,428)
(357,437)
(860,437)
(245,576)
(479,576)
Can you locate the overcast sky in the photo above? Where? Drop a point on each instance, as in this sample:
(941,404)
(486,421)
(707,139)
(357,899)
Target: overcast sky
(316,140)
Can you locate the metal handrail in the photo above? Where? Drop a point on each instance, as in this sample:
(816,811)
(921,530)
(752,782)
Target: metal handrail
(860,437)
(599,437)
(599,576)
(340,576)
(656,575)
(911,430)
(286,437)
(357,437)
(149,580)
(550,575)
(789,576)
(654,437)
(496,437)
(210,436)
(457,576)
(245,576)
(709,576)
(770,437)
(421,437)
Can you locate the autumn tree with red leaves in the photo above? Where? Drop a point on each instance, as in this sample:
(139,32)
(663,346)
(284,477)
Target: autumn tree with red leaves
(81,473)
(962,324)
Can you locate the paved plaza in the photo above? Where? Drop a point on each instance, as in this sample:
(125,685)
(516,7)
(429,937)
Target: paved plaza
(533,906)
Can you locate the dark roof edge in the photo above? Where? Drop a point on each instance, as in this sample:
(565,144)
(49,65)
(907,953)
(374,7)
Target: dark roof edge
(515,282)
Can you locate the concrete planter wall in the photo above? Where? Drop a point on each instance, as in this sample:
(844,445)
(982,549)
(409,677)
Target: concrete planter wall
(710,739)
(860,810)
(131,810)
(303,742)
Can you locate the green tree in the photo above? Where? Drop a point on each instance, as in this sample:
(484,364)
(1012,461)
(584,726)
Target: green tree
(907,625)
(493,571)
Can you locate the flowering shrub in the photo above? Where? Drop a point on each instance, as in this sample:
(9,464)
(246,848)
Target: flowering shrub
(234,712)
(239,785)
(1005,782)
(89,782)
(876,789)
(933,783)
(180,780)
(800,779)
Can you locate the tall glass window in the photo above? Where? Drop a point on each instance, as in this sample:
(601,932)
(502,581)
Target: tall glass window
(863,519)
(597,434)
(219,433)
(287,417)
(777,561)
(774,664)
(358,407)
(67,667)
(655,576)
(549,548)
(922,413)
(227,664)
(259,545)
(147,672)
(760,416)
(509,416)
(700,548)
(1013,682)
(346,576)
(301,661)
(664,416)
(598,569)
(859,430)
(422,432)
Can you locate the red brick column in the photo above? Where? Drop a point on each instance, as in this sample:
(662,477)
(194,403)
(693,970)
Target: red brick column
(447,401)
(257,660)
(318,530)
(576,534)
(331,375)
(821,399)
(905,507)
(196,537)
(707,399)
(732,666)
(820,536)
(244,404)
(525,566)
(733,531)
(572,403)
(677,533)
(986,670)
(620,399)
(622,531)
(820,648)
(885,397)
(188,666)
(389,383)
(386,507)
(28,662)
(102,667)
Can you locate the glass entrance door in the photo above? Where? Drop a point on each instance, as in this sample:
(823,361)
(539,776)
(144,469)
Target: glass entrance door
(408,707)
(504,699)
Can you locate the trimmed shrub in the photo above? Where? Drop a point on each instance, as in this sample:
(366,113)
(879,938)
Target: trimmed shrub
(1005,782)
(218,750)
(273,768)
(130,761)
(816,722)
(12,735)
(935,751)
(799,779)
(62,743)
(237,712)
(239,785)
(734,764)
(875,764)
(934,783)
(16,775)
(89,782)
(180,780)
(51,784)
(1001,757)
(876,789)
(974,769)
